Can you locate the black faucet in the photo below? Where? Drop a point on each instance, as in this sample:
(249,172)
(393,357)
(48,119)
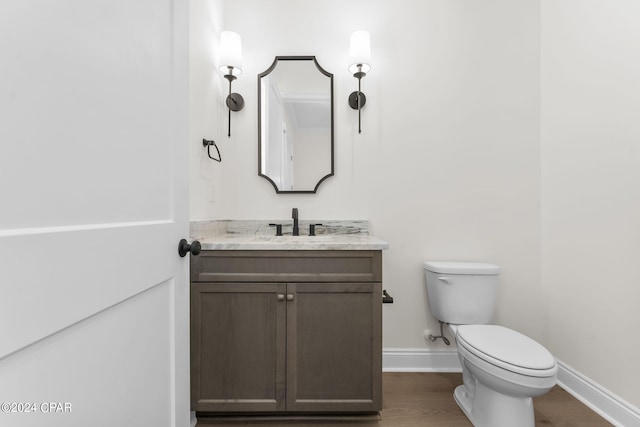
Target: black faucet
(294,215)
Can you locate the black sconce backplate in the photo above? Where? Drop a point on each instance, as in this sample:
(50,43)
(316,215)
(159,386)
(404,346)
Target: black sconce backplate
(353,99)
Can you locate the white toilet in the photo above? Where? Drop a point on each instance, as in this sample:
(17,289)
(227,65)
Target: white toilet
(502,370)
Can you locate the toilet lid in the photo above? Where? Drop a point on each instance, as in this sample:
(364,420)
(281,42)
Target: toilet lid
(506,348)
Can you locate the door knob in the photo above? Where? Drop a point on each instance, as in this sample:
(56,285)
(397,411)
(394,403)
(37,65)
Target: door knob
(184,247)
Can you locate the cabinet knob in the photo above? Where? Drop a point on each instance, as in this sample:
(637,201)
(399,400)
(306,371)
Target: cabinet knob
(289,297)
(280,297)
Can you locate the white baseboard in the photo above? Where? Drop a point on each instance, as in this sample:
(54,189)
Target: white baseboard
(420,360)
(600,400)
(609,406)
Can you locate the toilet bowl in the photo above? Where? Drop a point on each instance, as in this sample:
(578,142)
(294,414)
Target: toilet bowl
(502,370)
(505,370)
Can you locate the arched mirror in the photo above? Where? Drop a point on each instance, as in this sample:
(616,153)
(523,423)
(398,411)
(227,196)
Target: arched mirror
(295,124)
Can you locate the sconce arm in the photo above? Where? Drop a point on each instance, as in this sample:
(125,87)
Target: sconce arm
(234,101)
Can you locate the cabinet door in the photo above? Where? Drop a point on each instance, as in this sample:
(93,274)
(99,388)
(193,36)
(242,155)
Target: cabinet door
(238,339)
(334,347)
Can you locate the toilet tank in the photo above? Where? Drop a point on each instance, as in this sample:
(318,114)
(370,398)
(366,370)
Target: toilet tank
(462,293)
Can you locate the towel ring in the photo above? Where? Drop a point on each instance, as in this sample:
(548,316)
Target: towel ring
(208,144)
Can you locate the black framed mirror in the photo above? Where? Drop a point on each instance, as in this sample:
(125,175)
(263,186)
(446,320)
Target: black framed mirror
(295,124)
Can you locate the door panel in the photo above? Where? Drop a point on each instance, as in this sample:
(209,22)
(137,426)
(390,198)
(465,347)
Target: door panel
(65,276)
(100,368)
(94,306)
(85,87)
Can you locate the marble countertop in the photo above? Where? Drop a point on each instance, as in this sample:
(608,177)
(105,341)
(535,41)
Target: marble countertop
(322,242)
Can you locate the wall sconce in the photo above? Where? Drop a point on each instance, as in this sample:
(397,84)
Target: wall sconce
(231,66)
(359,57)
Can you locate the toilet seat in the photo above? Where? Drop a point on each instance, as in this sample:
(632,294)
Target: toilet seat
(507,349)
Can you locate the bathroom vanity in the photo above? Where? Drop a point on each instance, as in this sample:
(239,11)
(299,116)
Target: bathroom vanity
(287,325)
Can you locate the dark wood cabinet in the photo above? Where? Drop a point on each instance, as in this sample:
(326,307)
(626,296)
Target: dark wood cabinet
(237,347)
(286,332)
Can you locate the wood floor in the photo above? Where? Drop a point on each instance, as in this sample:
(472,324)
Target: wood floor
(426,399)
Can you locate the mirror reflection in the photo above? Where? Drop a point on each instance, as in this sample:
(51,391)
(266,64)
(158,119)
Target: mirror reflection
(295,146)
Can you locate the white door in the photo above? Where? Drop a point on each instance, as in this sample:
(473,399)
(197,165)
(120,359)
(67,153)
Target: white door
(287,159)
(93,200)
(274,144)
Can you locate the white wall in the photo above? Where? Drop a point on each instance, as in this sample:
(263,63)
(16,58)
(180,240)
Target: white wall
(447,164)
(451,164)
(591,188)
(208,90)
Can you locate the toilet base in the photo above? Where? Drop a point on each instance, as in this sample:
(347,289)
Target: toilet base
(488,408)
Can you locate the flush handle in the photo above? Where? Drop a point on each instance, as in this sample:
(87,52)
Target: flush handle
(445,279)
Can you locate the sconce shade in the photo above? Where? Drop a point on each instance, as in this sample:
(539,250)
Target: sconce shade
(230,53)
(359,52)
